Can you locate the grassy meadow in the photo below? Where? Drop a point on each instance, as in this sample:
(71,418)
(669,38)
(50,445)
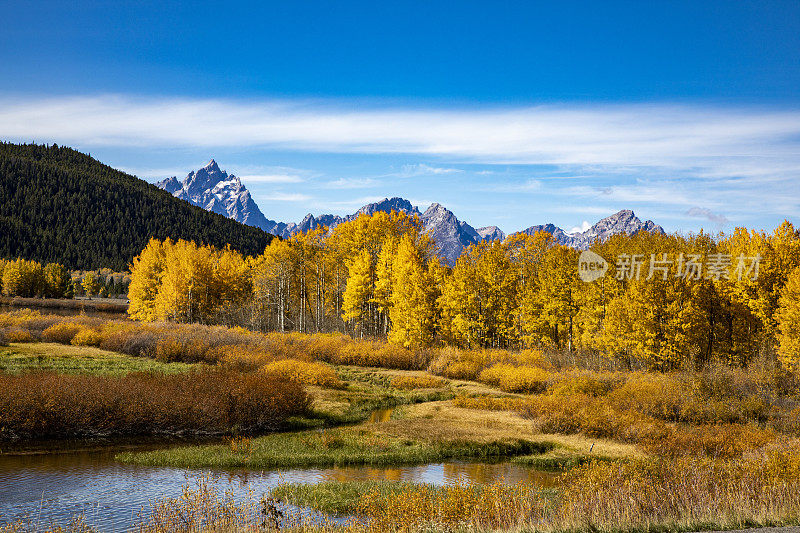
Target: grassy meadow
(634,450)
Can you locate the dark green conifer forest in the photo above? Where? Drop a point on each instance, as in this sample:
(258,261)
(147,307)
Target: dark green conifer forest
(60,205)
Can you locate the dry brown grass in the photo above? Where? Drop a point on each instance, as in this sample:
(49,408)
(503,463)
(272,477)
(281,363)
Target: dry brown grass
(46,405)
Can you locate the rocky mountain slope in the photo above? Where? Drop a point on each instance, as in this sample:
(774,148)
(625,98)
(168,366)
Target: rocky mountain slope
(624,221)
(219,192)
(216,190)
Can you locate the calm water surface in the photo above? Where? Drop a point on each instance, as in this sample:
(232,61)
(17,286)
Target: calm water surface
(47,489)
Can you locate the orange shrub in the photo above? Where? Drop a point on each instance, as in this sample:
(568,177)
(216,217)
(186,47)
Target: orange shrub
(724,440)
(50,405)
(241,356)
(662,396)
(585,382)
(303,372)
(498,506)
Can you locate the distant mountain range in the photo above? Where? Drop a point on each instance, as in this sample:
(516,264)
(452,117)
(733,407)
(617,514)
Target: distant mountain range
(216,190)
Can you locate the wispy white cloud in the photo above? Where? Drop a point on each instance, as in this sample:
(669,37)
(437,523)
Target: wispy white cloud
(710,141)
(270,178)
(594,159)
(284,197)
(530,185)
(703,212)
(350,183)
(585,225)
(421,169)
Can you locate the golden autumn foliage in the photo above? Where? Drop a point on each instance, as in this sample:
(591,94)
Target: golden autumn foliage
(378,277)
(510,378)
(788,321)
(307,373)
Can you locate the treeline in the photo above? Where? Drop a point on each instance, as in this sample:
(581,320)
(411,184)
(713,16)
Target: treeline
(59,205)
(27,279)
(666,302)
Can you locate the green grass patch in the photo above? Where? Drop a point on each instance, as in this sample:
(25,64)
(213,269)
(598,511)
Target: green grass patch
(345,446)
(66,359)
(366,391)
(335,497)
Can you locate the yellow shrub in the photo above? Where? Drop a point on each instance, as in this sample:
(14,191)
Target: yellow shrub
(87,337)
(18,335)
(304,372)
(241,356)
(61,333)
(452,507)
(488,403)
(588,383)
(417,382)
(662,396)
(532,357)
(512,378)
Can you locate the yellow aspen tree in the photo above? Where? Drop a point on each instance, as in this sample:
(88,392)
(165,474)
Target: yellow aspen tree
(3,263)
(57,280)
(558,298)
(146,271)
(357,300)
(412,299)
(229,275)
(271,274)
(174,298)
(788,322)
(91,283)
(461,321)
(12,278)
(384,281)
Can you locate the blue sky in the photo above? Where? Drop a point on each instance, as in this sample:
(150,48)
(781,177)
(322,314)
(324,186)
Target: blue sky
(509,113)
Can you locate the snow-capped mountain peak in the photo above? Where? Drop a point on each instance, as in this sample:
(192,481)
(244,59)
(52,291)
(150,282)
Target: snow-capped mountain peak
(215,190)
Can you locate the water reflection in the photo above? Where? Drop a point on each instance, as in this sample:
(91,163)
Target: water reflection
(380,415)
(52,488)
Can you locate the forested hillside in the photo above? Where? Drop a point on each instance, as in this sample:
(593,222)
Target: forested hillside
(59,205)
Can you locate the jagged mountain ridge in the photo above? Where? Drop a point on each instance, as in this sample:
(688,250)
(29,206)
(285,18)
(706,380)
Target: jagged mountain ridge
(624,221)
(215,190)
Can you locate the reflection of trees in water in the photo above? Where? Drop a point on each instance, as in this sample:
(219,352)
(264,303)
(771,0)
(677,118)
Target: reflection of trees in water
(484,473)
(366,473)
(446,473)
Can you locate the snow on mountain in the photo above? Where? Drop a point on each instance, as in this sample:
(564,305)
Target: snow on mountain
(215,190)
(624,221)
(491,233)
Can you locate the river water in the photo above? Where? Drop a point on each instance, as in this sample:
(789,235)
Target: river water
(50,489)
